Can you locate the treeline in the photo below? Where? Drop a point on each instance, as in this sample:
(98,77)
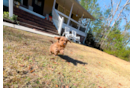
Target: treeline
(110,31)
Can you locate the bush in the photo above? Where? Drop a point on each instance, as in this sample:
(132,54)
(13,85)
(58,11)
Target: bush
(123,53)
(90,41)
(6,15)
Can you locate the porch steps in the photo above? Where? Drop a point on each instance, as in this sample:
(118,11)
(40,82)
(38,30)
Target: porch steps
(32,21)
(32,25)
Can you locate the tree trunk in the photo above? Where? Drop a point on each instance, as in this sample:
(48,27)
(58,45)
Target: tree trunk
(115,19)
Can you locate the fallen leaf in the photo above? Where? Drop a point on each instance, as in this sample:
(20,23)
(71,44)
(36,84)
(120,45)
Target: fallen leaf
(52,58)
(120,84)
(55,62)
(32,70)
(75,84)
(68,63)
(30,67)
(67,86)
(102,77)
(99,87)
(63,60)
(34,74)
(86,67)
(62,87)
(25,43)
(95,65)
(71,52)
(57,86)
(48,83)
(79,71)
(50,69)
(22,65)
(25,72)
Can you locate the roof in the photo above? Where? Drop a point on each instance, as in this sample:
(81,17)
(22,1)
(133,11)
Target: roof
(77,8)
(82,9)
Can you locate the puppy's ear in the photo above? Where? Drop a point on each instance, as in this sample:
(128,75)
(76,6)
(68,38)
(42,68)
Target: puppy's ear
(68,41)
(58,38)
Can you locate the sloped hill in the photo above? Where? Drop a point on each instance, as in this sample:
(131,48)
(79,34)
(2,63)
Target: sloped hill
(27,63)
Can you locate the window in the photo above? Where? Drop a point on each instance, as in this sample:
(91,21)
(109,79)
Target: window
(38,2)
(61,9)
(67,13)
(72,16)
(25,2)
(56,6)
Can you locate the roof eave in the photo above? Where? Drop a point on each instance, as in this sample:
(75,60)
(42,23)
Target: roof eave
(90,16)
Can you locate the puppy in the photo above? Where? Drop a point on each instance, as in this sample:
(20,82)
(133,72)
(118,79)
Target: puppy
(58,47)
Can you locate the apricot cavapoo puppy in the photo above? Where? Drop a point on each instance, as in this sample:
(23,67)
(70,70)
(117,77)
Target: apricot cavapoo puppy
(58,47)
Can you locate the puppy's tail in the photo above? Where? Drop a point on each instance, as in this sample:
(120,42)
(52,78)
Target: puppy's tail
(51,41)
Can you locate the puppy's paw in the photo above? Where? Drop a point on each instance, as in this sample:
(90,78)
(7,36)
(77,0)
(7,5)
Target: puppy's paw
(62,52)
(56,54)
(50,53)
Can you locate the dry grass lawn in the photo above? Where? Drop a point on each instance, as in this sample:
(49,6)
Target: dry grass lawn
(27,64)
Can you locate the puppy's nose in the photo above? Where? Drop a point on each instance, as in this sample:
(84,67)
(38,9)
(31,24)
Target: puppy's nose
(64,43)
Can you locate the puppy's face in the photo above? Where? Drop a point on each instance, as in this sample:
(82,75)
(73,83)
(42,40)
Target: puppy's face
(62,41)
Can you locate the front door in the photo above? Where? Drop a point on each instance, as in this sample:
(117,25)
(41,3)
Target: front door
(25,3)
(38,6)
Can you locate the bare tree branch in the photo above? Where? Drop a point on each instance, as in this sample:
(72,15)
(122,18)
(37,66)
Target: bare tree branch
(116,18)
(112,6)
(107,20)
(114,13)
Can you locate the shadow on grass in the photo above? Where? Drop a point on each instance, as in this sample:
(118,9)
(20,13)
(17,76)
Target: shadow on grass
(69,59)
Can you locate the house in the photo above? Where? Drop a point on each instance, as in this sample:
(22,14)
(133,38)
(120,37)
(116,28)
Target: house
(62,12)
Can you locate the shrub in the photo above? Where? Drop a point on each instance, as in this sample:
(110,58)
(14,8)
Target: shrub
(6,15)
(123,53)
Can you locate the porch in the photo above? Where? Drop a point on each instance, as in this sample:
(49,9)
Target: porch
(64,13)
(68,13)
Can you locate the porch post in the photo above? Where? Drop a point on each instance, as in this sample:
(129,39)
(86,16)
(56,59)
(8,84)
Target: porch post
(10,8)
(86,32)
(81,18)
(54,4)
(21,2)
(70,14)
(85,39)
(60,26)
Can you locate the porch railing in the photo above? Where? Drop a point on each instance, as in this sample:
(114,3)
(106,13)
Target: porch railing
(57,20)
(74,24)
(29,11)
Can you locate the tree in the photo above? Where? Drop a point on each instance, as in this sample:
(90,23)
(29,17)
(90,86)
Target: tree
(95,26)
(112,15)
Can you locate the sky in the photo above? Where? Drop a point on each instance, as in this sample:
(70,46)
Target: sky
(104,5)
